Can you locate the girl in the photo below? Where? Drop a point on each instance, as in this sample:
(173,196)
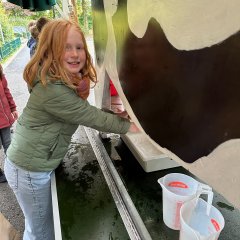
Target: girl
(58,76)
(33,40)
(8,115)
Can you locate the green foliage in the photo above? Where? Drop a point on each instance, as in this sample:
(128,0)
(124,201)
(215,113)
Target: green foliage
(19,21)
(89,26)
(37,15)
(16,16)
(85,15)
(20,17)
(7,28)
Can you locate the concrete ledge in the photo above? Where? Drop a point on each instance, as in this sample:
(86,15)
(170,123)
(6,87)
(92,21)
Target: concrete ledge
(149,156)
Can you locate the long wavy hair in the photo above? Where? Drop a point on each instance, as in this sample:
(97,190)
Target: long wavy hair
(47,62)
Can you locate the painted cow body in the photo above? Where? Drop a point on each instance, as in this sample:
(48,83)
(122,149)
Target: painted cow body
(176,66)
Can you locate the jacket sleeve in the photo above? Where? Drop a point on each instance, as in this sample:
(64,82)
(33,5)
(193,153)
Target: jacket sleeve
(66,105)
(8,95)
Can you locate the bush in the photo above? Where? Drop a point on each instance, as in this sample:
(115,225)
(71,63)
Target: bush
(6,27)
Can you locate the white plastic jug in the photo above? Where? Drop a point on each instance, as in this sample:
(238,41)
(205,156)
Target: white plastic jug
(198,223)
(177,189)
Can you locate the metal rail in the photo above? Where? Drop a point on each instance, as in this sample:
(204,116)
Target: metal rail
(130,216)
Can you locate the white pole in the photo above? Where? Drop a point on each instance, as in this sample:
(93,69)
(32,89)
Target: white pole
(65,11)
(65,6)
(2,33)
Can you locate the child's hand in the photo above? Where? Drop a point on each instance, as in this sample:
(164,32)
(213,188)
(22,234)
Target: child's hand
(15,115)
(133,128)
(123,114)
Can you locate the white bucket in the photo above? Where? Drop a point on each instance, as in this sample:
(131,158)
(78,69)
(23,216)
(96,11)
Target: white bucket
(177,189)
(199,224)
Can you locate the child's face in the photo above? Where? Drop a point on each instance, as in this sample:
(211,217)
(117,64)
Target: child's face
(74,56)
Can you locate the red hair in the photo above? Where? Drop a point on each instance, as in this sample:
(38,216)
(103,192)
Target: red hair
(47,64)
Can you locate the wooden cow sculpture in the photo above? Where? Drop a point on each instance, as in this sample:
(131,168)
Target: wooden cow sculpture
(176,67)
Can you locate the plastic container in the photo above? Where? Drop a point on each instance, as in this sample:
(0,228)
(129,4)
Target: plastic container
(198,223)
(177,189)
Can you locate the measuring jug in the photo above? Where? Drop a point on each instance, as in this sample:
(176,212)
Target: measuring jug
(198,223)
(177,189)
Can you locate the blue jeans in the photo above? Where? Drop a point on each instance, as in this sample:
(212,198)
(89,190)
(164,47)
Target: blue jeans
(33,192)
(5,138)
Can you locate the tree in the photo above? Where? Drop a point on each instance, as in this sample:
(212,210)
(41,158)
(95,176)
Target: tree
(85,18)
(21,17)
(85,14)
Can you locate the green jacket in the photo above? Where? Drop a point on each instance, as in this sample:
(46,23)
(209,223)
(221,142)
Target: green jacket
(51,116)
